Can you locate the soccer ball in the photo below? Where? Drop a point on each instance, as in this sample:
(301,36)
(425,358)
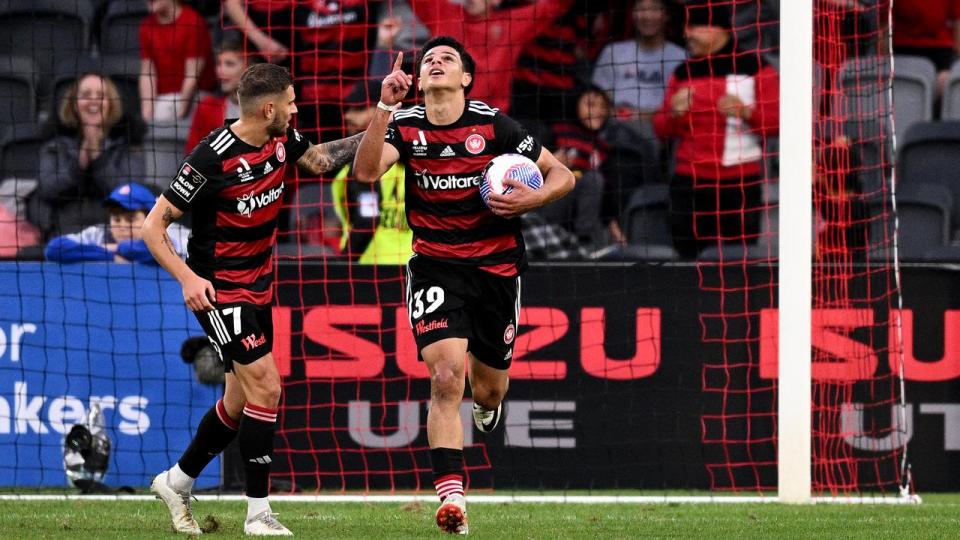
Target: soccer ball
(513,166)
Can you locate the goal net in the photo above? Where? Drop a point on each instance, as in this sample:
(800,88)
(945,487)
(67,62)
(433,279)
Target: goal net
(647,350)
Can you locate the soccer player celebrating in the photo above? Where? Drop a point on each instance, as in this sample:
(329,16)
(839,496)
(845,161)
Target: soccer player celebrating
(463,285)
(233,181)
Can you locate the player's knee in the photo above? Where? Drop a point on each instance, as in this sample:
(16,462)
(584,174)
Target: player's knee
(234,406)
(271,395)
(445,386)
(488,397)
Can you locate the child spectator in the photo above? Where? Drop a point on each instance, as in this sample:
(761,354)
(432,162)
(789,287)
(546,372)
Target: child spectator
(92,152)
(214,109)
(176,60)
(580,146)
(122,241)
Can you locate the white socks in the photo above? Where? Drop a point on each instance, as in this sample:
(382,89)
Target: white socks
(256,506)
(179,480)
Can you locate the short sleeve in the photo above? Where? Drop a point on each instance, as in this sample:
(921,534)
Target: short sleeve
(393,138)
(296,145)
(513,138)
(199,177)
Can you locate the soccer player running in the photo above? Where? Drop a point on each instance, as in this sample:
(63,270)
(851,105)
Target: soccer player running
(233,182)
(463,284)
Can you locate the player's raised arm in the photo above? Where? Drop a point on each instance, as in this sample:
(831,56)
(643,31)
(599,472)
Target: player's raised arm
(329,156)
(373,156)
(557,182)
(198,293)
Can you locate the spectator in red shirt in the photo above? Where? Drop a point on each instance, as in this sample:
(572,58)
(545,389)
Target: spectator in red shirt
(719,104)
(175,60)
(929,28)
(214,109)
(497,36)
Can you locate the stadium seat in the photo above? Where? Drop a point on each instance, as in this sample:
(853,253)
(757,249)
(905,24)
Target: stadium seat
(950,105)
(162,153)
(646,218)
(17,90)
(930,153)
(914,80)
(50,30)
(923,214)
(20,151)
(863,101)
(120,27)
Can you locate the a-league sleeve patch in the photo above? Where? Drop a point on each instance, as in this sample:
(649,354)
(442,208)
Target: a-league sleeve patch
(188,182)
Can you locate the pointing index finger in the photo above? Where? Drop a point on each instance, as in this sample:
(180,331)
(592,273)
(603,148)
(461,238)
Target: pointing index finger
(399,62)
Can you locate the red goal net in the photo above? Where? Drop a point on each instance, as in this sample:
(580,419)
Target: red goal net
(646,353)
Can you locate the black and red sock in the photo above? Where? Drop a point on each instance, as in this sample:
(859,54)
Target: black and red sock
(256,447)
(447,471)
(214,433)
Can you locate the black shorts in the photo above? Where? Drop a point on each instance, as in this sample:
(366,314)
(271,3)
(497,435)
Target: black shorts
(457,301)
(239,332)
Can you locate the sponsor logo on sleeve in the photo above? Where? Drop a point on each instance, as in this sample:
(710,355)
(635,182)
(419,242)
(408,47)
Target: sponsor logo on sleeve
(188,182)
(525,145)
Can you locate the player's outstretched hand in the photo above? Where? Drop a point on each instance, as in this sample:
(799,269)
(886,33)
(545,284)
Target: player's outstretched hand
(519,201)
(198,293)
(395,85)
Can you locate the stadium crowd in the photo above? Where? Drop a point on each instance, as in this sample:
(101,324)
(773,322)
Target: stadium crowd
(622,91)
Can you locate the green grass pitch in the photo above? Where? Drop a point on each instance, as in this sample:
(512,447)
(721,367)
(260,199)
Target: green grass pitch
(937,517)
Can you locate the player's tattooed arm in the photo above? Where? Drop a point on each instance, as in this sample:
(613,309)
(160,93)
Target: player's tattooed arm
(168,218)
(329,156)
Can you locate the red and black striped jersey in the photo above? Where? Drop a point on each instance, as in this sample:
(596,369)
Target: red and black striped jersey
(444,169)
(586,150)
(234,191)
(331,51)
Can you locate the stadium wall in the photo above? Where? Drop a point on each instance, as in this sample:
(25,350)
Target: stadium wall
(607,388)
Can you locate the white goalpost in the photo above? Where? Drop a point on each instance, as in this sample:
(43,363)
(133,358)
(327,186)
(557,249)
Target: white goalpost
(796,164)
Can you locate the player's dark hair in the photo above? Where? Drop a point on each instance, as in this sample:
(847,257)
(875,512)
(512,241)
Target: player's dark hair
(261,80)
(469,66)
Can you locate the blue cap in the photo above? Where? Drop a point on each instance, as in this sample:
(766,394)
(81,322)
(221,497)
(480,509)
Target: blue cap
(132,197)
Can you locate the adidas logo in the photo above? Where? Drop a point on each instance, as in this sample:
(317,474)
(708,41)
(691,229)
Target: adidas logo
(267,169)
(263,460)
(447,152)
